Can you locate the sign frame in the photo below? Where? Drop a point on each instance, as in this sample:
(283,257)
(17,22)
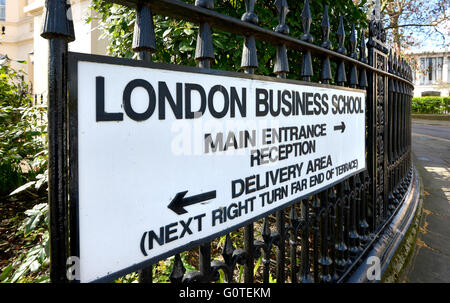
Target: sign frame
(73,59)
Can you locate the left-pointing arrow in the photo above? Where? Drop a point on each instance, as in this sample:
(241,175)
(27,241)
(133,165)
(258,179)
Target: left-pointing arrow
(179,202)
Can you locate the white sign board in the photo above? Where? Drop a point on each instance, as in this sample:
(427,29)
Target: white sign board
(167,158)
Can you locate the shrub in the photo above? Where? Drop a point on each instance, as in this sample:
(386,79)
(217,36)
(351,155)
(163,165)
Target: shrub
(22,135)
(431,105)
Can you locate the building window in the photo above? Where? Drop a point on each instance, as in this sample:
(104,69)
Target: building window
(2,10)
(431,70)
(448,73)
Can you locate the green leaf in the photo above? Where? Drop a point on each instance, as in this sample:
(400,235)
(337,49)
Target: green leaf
(258,263)
(188,31)
(166,32)
(5,273)
(186,48)
(22,188)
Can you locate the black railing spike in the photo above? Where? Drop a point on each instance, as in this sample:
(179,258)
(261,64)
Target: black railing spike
(144,41)
(353,42)
(282,10)
(362,47)
(281,66)
(265,232)
(307,69)
(394,64)
(325,74)
(204,51)
(390,61)
(404,68)
(306,22)
(178,270)
(249,55)
(341,37)
(325,29)
(57,23)
(353,70)
(400,66)
(341,76)
(227,252)
(293,213)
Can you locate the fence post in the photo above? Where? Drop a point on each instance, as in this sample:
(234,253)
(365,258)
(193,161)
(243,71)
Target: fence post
(204,55)
(378,99)
(144,44)
(281,68)
(249,63)
(58,29)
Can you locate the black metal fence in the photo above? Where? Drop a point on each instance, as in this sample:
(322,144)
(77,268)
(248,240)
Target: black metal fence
(319,239)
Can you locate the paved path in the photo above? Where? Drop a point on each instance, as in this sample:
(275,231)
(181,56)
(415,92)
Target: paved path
(431,153)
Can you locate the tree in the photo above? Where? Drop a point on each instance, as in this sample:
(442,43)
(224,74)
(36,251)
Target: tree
(413,22)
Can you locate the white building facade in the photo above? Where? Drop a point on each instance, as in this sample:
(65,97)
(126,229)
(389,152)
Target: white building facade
(432,73)
(20,28)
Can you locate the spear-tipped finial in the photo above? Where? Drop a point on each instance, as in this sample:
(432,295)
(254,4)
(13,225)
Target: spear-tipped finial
(282,9)
(306,22)
(394,63)
(326,28)
(390,61)
(265,233)
(353,42)
(307,69)
(362,47)
(341,73)
(341,36)
(178,270)
(227,252)
(281,66)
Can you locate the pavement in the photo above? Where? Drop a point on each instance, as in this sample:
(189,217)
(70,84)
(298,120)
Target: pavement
(430,260)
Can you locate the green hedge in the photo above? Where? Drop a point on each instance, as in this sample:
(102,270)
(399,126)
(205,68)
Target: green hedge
(431,105)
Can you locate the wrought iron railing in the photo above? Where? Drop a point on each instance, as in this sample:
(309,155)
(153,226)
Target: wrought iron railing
(324,237)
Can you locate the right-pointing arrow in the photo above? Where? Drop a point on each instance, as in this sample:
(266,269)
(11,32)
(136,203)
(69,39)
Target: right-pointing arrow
(340,127)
